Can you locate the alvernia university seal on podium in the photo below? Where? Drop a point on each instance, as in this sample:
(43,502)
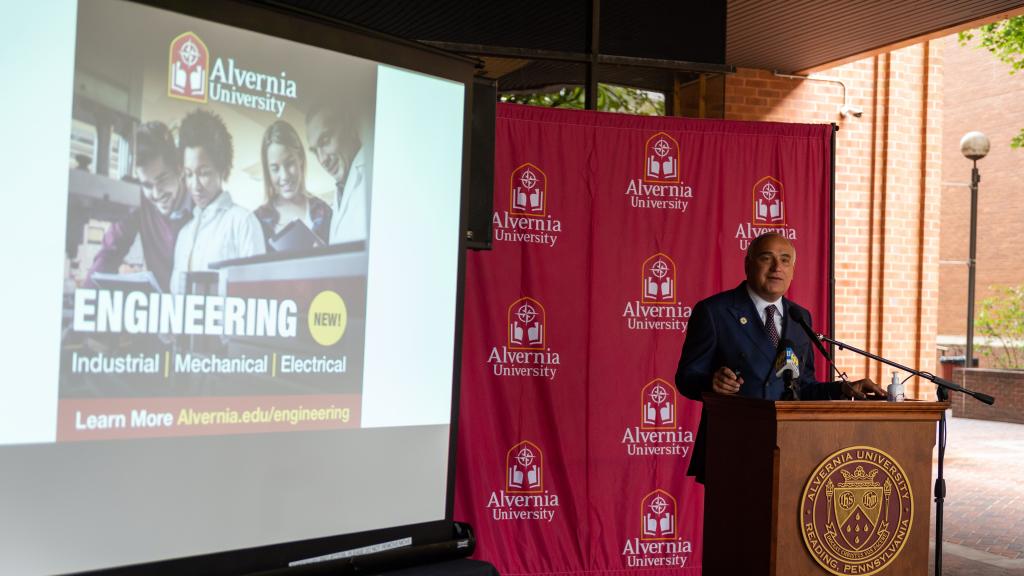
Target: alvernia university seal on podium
(856,511)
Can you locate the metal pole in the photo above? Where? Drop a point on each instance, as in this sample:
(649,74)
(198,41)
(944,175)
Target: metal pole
(832,239)
(940,486)
(593,50)
(975,179)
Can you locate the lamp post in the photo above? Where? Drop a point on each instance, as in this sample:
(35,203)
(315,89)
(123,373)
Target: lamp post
(974,146)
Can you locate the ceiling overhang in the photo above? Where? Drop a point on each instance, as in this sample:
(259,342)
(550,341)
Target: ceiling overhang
(533,45)
(803,36)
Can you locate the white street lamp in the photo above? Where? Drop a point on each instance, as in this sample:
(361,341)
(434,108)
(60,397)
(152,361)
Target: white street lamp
(974,146)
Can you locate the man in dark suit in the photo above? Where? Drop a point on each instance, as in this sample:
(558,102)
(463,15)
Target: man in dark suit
(733,336)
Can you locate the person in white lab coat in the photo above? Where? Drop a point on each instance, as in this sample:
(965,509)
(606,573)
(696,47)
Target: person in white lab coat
(219,229)
(335,143)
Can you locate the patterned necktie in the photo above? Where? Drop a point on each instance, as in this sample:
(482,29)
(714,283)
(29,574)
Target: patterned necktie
(769,324)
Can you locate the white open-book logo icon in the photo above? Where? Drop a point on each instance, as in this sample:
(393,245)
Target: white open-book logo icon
(189,68)
(659,407)
(769,207)
(524,470)
(658,516)
(659,281)
(661,163)
(526,325)
(528,191)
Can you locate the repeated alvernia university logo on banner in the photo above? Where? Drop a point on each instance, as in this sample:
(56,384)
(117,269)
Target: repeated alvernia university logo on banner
(194,75)
(768,213)
(526,351)
(527,218)
(658,542)
(523,496)
(659,432)
(856,511)
(658,306)
(662,186)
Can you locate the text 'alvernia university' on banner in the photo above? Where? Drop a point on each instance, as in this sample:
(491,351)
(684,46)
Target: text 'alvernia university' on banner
(526,352)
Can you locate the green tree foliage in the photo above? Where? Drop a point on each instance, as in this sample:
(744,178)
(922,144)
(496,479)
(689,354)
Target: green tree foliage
(1002,320)
(610,98)
(1004,39)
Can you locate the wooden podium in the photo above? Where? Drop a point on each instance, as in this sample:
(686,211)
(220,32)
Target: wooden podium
(851,481)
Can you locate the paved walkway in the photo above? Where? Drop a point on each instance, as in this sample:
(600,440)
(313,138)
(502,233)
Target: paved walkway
(983,531)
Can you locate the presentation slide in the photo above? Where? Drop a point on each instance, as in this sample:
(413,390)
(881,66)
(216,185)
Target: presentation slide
(182,314)
(235,286)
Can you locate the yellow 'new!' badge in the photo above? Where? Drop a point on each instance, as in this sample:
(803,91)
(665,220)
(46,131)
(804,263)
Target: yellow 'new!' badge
(328,317)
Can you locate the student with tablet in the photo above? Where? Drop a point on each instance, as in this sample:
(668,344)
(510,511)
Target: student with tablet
(289,207)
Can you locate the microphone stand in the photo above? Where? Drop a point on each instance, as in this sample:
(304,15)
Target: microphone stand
(942,389)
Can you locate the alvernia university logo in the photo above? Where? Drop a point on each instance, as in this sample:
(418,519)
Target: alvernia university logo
(662,186)
(526,322)
(527,219)
(658,406)
(526,351)
(524,466)
(523,497)
(769,203)
(659,280)
(659,306)
(769,213)
(659,431)
(661,159)
(528,191)
(658,516)
(188,68)
(659,544)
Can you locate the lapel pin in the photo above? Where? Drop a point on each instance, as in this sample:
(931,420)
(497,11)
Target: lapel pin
(743,320)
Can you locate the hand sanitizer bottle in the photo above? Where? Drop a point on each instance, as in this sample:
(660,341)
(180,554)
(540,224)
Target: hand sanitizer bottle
(895,390)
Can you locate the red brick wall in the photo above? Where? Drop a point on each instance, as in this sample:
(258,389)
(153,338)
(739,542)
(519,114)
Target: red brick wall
(1007,386)
(888,171)
(980,94)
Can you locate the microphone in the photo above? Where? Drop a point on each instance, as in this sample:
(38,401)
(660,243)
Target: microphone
(795,314)
(787,366)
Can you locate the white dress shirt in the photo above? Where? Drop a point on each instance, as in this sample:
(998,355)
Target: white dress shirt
(350,221)
(761,304)
(221,231)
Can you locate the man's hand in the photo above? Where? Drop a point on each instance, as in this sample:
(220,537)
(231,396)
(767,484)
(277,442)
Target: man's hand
(861,388)
(725,381)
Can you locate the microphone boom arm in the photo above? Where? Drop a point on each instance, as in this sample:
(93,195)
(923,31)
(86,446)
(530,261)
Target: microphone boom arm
(941,383)
(817,343)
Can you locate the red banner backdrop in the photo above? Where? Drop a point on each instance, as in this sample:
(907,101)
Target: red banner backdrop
(573,442)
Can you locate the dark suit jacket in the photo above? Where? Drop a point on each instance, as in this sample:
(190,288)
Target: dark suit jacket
(725,330)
